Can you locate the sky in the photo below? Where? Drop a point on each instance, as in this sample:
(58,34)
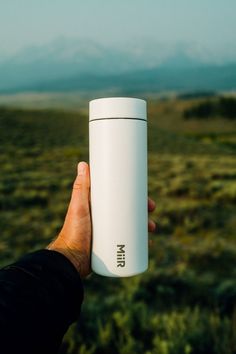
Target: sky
(33,22)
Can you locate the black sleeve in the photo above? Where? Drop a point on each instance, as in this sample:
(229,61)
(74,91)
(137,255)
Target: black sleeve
(40,296)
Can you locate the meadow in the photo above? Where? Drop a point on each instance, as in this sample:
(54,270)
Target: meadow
(186,302)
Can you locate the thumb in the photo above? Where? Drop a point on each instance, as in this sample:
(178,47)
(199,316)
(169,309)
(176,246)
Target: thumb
(80,193)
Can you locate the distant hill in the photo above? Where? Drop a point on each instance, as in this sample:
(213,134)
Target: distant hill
(67,65)
(208,78)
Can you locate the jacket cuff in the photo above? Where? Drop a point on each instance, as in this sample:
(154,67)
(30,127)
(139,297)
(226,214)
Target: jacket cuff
(59,276)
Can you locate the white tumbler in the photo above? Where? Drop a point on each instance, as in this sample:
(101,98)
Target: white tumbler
(118,172)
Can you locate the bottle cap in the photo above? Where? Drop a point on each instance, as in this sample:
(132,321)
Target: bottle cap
(117,107)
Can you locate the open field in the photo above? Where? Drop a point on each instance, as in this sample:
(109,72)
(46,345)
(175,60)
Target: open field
(186,302)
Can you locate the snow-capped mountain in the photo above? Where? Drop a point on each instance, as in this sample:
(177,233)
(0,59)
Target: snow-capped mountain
(72,58)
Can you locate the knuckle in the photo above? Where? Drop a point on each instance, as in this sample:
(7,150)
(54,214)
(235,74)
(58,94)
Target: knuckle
(82,209)
(78,184)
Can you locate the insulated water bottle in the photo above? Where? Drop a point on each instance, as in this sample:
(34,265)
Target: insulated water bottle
(118,172)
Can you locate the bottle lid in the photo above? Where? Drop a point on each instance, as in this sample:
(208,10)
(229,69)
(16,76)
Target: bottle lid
(117,107)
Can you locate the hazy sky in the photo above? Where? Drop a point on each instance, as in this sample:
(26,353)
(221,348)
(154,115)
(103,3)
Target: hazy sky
(27,22)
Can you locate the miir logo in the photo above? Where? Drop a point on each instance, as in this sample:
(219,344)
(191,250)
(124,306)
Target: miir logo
(120,255)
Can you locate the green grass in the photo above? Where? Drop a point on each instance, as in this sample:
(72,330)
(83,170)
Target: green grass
(185,302)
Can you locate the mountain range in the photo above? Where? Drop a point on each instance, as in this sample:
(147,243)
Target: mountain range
(139,66)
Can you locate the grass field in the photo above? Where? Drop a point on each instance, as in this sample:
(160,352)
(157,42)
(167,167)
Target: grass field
(186,301)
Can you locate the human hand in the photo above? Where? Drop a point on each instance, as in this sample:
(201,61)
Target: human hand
(74,239)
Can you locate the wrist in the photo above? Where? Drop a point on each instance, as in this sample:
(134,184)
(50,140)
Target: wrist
(76,257)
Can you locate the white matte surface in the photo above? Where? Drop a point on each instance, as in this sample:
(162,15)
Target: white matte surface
(118,171)
(117,107)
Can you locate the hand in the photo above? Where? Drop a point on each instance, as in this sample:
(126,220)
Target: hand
(74,240)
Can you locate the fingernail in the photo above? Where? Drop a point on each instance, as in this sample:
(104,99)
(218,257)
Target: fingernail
(82,168)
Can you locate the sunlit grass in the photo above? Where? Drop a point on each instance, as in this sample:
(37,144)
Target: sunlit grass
(185,302)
